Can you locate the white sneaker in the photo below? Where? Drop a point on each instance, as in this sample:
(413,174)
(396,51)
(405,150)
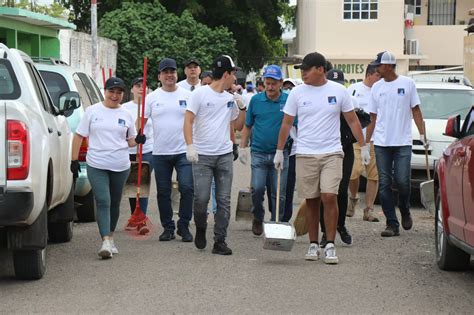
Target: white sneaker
(106,250)
(313,252)
(113,248)
(330,254)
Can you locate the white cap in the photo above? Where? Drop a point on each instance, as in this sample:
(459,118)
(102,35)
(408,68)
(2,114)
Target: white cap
(384,58)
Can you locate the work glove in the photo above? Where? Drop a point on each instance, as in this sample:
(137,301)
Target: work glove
(365,154)
(140,138)
(239,101)
(235,151)
(424,142)
(75,168)
(278,160)
(191,154)
(244,155)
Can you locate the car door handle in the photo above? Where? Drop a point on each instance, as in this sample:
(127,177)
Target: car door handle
(50,130)
(59,133)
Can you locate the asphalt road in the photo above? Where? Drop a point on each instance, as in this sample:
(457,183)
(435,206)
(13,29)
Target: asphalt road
(375,275)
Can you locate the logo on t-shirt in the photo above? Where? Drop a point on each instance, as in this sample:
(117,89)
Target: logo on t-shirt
(230,104)
(332,100)
(401,91)
(121,122)
(182,103)
(282,105)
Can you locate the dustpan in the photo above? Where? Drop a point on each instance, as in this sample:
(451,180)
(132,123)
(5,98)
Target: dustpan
(278,235)
(244,205)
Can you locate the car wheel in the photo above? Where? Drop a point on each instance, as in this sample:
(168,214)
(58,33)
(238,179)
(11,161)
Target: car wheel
(29,264)
(86,211)
(60,232)
(448,257)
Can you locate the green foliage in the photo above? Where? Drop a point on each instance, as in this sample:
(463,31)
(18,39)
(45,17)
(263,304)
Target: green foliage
(54,10)
(149,30)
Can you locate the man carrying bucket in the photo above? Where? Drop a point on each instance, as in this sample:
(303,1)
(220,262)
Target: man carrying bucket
(318,104)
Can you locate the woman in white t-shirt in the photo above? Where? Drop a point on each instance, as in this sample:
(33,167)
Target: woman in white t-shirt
(110,130)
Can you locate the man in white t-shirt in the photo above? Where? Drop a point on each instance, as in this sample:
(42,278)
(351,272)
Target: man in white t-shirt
(361,92)
(192,70)
(394,102)
(318,103)
(209,148)
(166,107)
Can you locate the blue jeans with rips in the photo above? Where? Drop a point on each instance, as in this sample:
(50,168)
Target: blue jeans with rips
(394,162)
(163,166)
(262,166)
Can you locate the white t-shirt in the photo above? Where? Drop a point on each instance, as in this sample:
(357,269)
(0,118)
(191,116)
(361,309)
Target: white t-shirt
(361,93)
(318,109)
(393,102)
(247,97)
(185,85)
(131,107)
(214,111)
(166,110)
(108,130)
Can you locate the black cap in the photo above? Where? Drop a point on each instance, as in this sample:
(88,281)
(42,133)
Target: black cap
(190,61)
(224,63)
(167,63)
(312,60)
(114,83)
(206,74)
(335,75)
(137,80)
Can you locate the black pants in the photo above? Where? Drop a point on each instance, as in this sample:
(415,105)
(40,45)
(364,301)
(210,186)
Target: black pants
(342,196)
(290,188)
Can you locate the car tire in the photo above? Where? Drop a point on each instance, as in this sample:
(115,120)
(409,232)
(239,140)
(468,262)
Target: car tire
(448,257)
(29,264)
(60,232)
(86,211)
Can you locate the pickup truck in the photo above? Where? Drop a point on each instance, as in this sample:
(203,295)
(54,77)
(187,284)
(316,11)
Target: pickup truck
(36,184)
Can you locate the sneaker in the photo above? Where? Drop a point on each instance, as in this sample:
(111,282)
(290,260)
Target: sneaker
(130,226)
(407,221)
(330,254)
(113,248)
(167,235)
(257,227)
(369,215)
(351,206)
(221,248)
(346,237)
(143,229)
(186,236)
(313,252)
(324,241)
(200,239)
(106,250)
(390,231)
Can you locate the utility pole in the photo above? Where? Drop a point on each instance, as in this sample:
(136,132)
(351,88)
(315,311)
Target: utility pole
(95,57)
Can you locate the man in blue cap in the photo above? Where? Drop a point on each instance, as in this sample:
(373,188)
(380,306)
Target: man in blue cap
(263,121)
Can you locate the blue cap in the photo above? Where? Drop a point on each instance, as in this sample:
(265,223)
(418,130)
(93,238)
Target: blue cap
(167,63)
(273,71)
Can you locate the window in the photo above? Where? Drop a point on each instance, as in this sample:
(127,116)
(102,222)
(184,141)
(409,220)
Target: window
(417,7)
(9,88)
(56,85)
(360,9)
(90,89)
(441,12)
(86,101)
(441,104)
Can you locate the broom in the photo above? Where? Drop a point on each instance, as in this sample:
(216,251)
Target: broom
(300,220)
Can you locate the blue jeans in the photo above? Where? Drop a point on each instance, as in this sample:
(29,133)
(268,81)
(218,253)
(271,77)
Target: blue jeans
(146,157)
(107,187)
(396,162)
(221,168)
(262,166)
(163,166)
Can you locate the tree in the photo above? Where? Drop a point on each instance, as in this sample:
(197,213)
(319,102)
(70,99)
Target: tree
(149,30)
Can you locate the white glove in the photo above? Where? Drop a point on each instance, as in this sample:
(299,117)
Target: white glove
(278,160)
(422,139)
(365,154)
(243,155)
(239,101)
(191,154)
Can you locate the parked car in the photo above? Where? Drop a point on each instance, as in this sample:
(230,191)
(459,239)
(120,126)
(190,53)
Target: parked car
(454,196)
(61,78)
(439,101)
(36,184)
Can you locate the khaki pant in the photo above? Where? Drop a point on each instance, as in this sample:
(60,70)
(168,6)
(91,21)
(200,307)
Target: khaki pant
(370,170)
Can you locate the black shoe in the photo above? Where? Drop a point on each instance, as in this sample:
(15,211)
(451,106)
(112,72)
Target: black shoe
(407,221)
(346,237)
(390,231)
(200,239)
(186,236)
(167,235)
(257,227)
(221,248)
(324,241)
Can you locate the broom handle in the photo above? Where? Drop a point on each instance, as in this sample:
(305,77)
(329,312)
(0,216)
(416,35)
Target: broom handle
(278,197)
(142,122)
(139,120)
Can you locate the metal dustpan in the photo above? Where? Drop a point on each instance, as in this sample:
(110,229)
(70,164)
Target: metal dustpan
(244,206)
(276,235)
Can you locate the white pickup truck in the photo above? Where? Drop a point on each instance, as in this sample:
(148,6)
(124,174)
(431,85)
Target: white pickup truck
(36,184)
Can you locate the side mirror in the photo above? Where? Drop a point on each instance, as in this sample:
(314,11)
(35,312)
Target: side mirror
(453,127)
(68,102)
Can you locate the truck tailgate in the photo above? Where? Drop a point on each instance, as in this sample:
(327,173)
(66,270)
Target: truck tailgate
(3,147)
